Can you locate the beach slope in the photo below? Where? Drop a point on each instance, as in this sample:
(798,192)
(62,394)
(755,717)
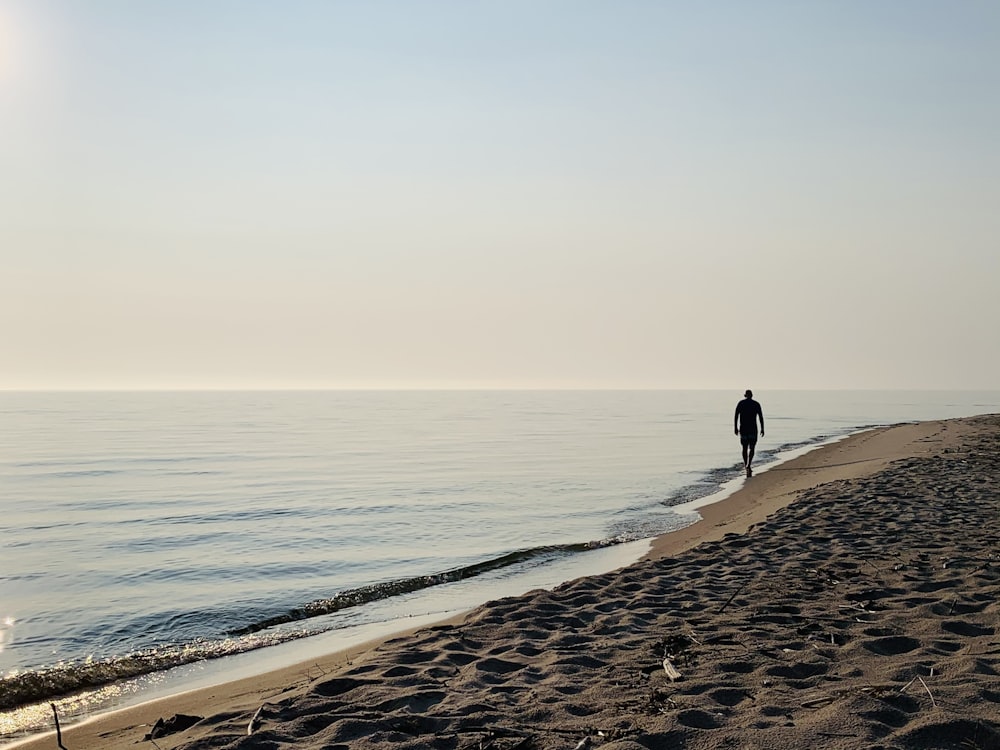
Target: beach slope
(847,599)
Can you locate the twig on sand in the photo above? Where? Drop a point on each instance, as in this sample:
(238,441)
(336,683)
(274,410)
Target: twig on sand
(730,599)
(933,703)
(907,685)
(877,568)
(817,702)
(55,715)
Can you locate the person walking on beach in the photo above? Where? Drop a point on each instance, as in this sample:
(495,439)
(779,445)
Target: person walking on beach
(748,412)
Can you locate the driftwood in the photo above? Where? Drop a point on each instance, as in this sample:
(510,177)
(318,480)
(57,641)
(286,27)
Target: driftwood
(254,724)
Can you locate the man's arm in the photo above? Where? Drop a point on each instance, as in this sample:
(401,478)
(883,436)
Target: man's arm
(760,413)
(736,421)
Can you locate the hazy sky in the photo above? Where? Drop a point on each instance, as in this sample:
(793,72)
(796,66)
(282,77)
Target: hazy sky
(518,193)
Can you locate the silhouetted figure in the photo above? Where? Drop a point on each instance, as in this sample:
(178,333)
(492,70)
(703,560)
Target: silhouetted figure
(748,412)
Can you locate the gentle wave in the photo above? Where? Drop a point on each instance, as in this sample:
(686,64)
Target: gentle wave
(18,690)
(44,684)
(40,685)
(376,592)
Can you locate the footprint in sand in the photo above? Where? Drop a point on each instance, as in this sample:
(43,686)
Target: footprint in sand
(892,645)
(737,667)
(798,671)
(699,719)
(955,607)
(339,686)
(728,696)
(888,716)
(498,666)
(414,703)
(968,629)
(955,733)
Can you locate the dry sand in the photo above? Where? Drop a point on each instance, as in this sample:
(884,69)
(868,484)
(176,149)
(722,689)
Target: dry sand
(847,599)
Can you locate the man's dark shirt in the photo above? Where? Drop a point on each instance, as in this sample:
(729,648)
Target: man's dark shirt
(747,412)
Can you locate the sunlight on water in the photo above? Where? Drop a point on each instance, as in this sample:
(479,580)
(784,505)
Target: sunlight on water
(38,716)
(6,632)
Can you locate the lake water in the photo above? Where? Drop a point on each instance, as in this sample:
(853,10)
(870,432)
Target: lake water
(141,531)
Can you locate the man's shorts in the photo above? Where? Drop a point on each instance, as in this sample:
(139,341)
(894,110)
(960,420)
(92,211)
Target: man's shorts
(748,439)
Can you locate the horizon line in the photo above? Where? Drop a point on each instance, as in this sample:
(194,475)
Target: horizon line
(459,388)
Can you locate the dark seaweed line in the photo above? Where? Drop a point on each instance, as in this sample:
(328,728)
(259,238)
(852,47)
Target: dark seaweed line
(55,682)
(377,592)
(31,687)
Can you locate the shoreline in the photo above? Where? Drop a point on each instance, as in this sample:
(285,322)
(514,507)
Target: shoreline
(856,455)
(132,692)
(859,455)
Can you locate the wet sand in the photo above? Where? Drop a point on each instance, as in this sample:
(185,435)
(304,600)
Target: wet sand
(849,598)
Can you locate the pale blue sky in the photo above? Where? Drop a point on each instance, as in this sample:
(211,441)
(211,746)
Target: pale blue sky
(499,194)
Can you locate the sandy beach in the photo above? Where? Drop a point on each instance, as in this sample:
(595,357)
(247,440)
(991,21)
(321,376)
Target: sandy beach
(847,599)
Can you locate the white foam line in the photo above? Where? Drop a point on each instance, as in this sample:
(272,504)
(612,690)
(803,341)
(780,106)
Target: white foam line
(730,487)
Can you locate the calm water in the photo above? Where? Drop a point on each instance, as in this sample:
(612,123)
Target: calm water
(169,527)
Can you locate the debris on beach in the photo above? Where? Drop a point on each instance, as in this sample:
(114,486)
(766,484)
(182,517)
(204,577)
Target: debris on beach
(173,725)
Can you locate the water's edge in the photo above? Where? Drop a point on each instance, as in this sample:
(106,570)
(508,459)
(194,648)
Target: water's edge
(81,691)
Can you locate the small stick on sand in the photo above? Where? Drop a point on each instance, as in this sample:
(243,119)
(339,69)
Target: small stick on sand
(730,599)
(817,702)
(877,569)
(907,685)
(55,715)
(933,703)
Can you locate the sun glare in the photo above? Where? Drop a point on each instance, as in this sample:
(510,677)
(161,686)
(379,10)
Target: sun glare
(8,50)
(21,48)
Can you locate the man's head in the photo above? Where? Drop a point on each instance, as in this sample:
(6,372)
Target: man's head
(749,393)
